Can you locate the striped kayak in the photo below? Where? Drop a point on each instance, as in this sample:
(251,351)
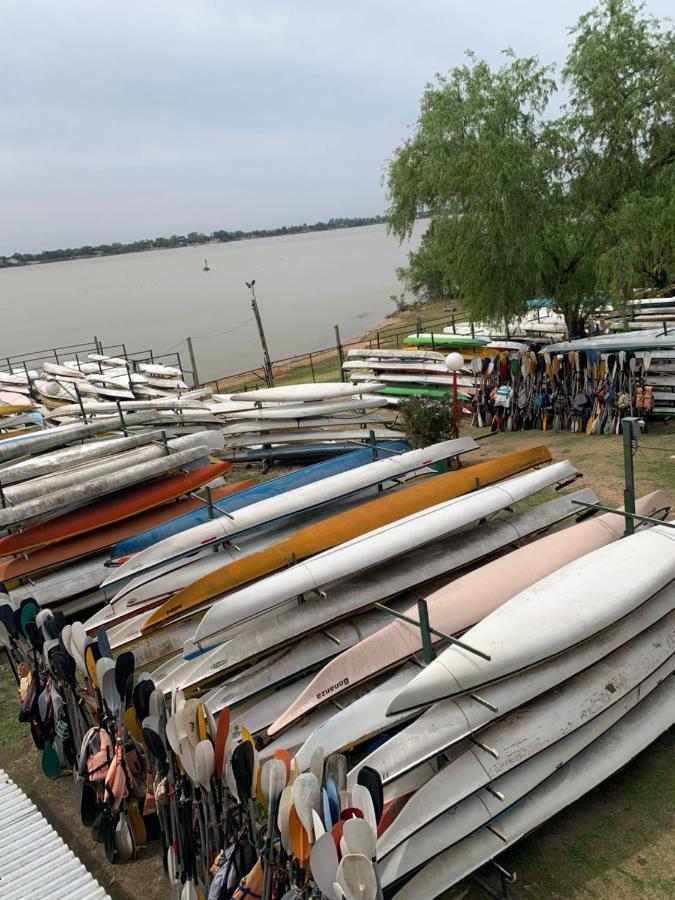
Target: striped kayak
(343,527)
(272,488)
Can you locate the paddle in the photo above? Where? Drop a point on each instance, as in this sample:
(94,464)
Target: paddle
(285,756)
(316,764)
(356,877)
(336,769)
(324,863)
(359,837)
(333,800)
(103,642)
(51,764)
(306,798)
(283,817)
(124,670)
(222,733)
(370,778)
(205,765)
(273,781)
(243,769)
(299,841)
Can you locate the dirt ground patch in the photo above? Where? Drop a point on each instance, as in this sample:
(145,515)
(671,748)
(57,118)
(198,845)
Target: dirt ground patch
(617,843)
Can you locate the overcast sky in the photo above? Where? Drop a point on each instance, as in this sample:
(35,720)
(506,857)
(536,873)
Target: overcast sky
(122,119)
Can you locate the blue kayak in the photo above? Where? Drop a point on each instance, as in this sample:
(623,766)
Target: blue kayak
(271,488)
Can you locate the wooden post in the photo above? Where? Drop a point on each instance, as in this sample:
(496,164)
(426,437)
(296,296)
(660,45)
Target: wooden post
(193,363)
(418,325)
(311,365)
(338,344)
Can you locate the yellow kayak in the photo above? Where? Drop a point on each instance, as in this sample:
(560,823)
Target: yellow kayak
(343,527)
(9,409)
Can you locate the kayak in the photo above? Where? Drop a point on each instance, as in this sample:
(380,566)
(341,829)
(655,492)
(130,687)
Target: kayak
(561,610)
(604,756)
(219,530)
(72,457)
(295,393)
(302,410)
(343,527)
(645,660)
(460,604)
(443,340)
(352,595)
(92,471)
(91,542)
(263,491)
(121,505)
(450,721)
(370,549)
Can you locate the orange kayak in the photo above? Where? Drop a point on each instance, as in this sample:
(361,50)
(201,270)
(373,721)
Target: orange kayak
(115,507)
(54,555)
(343,527)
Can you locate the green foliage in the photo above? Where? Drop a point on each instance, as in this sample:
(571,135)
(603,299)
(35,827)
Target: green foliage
(428,421)
(525,206)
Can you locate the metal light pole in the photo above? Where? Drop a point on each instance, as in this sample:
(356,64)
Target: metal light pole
(453,363)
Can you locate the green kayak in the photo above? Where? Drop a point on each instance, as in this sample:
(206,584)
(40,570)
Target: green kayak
(443,340)
(435,393)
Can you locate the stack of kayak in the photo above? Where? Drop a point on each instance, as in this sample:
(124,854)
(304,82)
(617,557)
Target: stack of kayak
(70,492)
(303,421)
(260,670)
(407,373)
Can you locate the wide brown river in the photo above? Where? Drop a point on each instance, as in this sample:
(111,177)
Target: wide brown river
(305,285)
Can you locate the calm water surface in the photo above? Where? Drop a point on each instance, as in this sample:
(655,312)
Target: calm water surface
(305,284)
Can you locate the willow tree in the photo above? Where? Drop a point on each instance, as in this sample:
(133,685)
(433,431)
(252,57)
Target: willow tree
(525,206)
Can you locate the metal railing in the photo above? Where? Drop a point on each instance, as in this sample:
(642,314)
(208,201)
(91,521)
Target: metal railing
(325,364)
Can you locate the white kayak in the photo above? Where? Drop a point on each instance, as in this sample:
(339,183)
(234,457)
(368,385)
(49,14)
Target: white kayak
(450,721)
(37,442)
(217,531)
(95,407)
(61,460)
(367,550)
(302,436)
(292,426)
(360,591)
(303,410)
(649,657)
(598,761)
(477,809)
(561,610)
(358,720)
(462,602)
(98,485)
(368,352)
(294,393)
(59,481)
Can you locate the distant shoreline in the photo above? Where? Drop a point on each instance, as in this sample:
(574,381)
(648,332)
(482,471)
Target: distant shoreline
(192,239)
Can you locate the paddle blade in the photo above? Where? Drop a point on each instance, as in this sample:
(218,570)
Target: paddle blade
(307,797)
(370,778)
(324,863)
(356,877)
(222,732)
(299,839)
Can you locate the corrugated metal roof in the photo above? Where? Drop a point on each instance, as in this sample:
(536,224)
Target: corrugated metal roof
(34,861)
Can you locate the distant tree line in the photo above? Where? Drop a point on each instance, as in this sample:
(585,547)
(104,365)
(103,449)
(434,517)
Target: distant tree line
(182,240)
